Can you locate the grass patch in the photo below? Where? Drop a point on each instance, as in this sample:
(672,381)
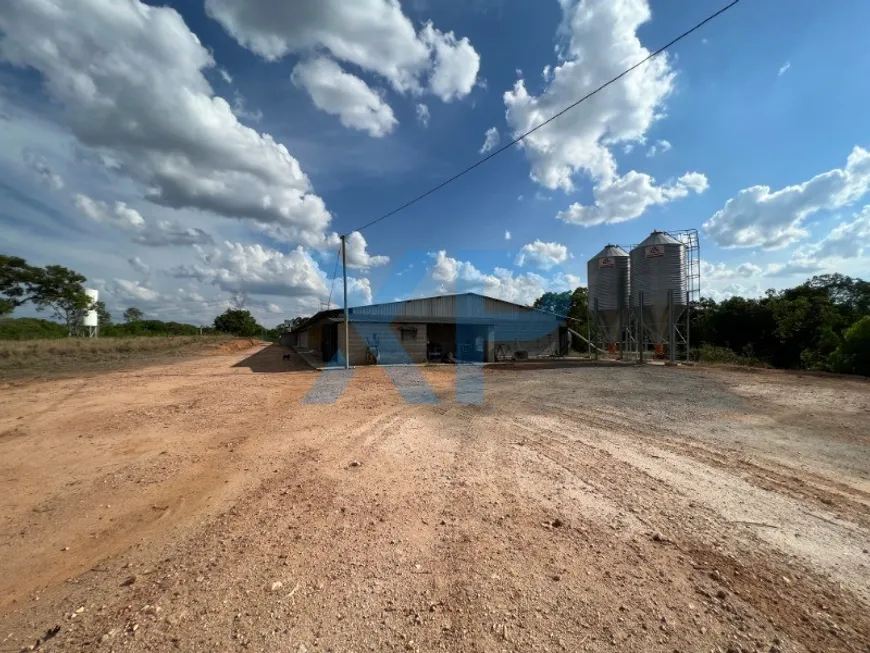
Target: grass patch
(49,357)
(724,356)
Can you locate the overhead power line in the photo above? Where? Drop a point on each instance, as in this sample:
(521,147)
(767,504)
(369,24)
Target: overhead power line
(551,119)
(334,274)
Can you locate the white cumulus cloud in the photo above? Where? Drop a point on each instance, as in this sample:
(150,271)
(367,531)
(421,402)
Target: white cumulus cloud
(344,95)
(119,214)
(848,240)
(759,217)
(359,289)
(423,115)
(600,41)
(374,35)
(543,255)
(357,253)
(659,147)
(627,197)
(491,140)
(38,164)
(455,63)
(128,80)
(167,233)
(735,289)
(257,269)
(720,271)
(254,269)
(122,289)
(453,276)
(139,265)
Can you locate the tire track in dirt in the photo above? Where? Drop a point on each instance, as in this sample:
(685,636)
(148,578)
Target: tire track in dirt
(814,488)
(560,577)
(772,598)
(835,545)
(496,596)
(678,441)
(359,559)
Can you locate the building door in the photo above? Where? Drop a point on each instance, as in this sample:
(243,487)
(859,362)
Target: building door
(471,343)
(329,342)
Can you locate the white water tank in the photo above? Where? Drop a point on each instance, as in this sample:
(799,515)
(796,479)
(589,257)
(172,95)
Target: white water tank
(91,317)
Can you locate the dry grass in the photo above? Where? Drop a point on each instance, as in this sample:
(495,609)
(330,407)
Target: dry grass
(51,357)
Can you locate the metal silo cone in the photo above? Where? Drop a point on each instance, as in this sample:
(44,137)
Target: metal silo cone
(607,274)
(658,269)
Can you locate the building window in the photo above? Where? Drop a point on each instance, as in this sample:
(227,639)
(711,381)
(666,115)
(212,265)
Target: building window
(409,331)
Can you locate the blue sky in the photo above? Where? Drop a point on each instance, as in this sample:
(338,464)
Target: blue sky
(181,156)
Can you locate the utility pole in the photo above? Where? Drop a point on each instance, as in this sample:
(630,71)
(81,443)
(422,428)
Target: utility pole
(346,312)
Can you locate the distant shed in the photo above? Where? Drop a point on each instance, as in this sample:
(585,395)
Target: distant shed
(466,327)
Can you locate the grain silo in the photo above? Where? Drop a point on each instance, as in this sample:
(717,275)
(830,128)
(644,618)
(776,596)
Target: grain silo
(658,277)
(608,275)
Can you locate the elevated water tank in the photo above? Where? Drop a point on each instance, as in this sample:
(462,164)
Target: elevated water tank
(658,265)
(608,276)
(91,319)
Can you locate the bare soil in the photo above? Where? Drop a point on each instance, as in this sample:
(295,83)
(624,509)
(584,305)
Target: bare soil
(205,506)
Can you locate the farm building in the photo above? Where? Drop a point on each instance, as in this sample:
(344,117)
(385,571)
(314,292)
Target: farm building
(465,327)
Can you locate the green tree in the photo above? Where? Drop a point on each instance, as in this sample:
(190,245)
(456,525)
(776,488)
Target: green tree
(701,314)
(850,296)
(238,322)
(744,325)
(16,282)
(61,290)
(573,305)
(133,315)
(852,356)
(808,325)
(104,318)
(558,303)
(579,316)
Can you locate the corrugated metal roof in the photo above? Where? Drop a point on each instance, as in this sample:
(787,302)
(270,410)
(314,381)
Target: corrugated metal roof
(447,309)
(610,251)
(659,238)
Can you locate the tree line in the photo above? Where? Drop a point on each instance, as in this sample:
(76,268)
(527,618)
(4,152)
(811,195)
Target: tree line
(61,292)
(822,324)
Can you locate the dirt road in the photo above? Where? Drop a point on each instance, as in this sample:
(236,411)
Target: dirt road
(204,506)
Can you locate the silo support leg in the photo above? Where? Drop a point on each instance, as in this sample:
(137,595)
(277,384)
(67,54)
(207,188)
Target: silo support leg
(672,330)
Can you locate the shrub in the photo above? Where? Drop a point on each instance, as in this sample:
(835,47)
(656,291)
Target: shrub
(723,355)
(853,354)
(29,328)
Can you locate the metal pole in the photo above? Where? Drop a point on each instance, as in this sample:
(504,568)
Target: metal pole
(688,326)
(588,335)
(595,318)
(672,329)
(623,334)
(640,338)
(346,312)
